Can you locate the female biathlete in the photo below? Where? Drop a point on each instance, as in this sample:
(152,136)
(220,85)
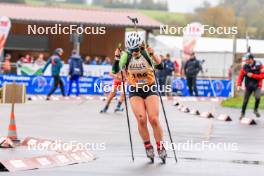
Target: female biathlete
(143,96)
(117,82)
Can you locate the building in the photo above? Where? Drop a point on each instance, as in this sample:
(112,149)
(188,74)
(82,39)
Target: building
(20,42)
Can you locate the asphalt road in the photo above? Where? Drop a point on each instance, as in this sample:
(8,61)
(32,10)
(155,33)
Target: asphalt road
(70,121)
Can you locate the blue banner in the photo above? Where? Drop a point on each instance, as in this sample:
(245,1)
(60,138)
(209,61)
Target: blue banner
(207,88)
(101,85)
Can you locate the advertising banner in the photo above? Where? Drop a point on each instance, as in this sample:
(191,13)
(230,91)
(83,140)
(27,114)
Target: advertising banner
(5,25)
(95,85)
(36,70)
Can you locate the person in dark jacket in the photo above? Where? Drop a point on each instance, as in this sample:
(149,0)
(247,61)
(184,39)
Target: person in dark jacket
(56,65)
(253,74)
(169,69)
(75,71)
(161,75)
(191,69)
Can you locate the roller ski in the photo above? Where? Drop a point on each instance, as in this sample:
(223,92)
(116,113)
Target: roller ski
(104,110)
(119,109)
(257,113)
(150,154)
(162,155)
(242,115)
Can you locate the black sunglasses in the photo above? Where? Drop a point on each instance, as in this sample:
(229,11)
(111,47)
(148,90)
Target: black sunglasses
(134,50)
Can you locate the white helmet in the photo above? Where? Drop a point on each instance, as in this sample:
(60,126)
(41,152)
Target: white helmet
(133,41)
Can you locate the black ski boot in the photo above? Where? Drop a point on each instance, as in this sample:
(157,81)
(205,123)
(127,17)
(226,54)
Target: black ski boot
(162,155)
(119,109)
(150,154)
(257,113)
(241,116)
(104,110)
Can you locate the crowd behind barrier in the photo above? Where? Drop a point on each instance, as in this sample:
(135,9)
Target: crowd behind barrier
(28,70)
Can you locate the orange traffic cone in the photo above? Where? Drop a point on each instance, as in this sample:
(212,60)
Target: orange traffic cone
(12,132)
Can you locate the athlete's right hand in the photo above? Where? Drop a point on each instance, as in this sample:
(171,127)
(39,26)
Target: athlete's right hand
(238,88)
(118,77)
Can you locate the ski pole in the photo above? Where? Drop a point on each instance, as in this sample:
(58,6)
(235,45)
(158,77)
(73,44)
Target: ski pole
(135,22)
(164,113)
(128,122)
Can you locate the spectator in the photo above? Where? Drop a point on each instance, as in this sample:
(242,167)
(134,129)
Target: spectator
(7,64)
(75,71)
(107,61)
(56,65)
(26,60)
(191,69)
(87,60)
(161,75)
(40,60)
(96,61)
(169,69)
(176,66)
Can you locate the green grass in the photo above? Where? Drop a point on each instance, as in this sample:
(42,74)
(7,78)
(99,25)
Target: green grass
(35,3)
(236,102)
(61,4)
(165,17)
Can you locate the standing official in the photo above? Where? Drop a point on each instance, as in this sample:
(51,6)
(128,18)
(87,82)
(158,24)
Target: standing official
(253,74)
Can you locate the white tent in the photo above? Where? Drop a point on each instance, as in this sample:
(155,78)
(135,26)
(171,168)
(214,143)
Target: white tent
(216,52)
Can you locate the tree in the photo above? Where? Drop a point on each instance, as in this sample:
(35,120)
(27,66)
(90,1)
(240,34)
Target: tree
(216,17)
(252,13)
(14,1)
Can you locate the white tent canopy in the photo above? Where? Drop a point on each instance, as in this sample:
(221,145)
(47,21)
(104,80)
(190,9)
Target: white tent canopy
(205,44)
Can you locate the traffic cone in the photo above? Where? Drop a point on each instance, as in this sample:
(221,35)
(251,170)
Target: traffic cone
(12,132)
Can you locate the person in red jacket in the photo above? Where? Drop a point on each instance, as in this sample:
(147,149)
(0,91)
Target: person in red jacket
(253,74)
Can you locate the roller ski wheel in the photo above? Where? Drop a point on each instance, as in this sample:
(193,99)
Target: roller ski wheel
(162,155)
(150,154)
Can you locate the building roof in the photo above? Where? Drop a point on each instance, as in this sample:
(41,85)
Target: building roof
(206,44)
(98,17)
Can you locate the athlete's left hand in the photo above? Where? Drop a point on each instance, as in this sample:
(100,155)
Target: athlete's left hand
(249,74)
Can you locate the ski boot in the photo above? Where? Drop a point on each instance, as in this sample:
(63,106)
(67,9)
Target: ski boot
(241,116)
(104,110)
(257,113)
(162,155)
(119,109)
(150,154)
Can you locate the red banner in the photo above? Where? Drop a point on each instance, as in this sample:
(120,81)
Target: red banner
(5,25)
